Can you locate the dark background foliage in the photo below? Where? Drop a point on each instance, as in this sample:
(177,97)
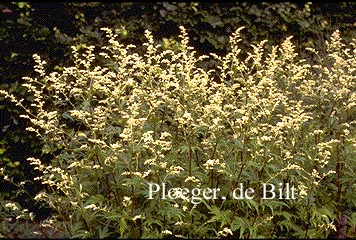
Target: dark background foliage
(49,29)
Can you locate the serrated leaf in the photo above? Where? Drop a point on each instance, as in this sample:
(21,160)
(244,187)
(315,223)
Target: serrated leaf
(252,203)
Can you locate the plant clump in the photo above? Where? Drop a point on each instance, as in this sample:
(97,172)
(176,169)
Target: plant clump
(122,125)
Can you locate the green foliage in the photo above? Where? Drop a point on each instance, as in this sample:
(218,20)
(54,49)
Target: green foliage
(211,24)
(50,29)
(21,36)
(120,120)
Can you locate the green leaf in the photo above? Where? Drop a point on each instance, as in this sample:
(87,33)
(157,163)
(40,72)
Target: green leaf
(104,232)
(23,5)
(2,150)
(251,203)
(285,224)
(13,164)
(96,199)
(240,224)
(123,226)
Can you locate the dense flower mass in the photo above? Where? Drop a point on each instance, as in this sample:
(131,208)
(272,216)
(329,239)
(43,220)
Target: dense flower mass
(117,121)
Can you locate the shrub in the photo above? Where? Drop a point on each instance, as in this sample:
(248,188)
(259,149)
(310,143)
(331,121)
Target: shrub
(120,122)
(50,29)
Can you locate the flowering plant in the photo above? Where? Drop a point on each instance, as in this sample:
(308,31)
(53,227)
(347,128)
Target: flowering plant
(123,126)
